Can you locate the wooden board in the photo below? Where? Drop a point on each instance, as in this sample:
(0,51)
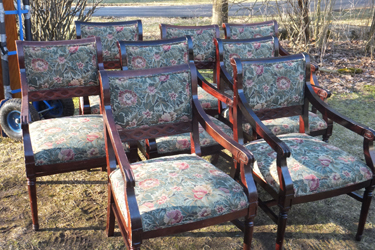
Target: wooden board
(12,36)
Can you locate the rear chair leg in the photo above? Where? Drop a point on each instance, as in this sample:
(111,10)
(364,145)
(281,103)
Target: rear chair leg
(31,184)
(367,197)
(110,214)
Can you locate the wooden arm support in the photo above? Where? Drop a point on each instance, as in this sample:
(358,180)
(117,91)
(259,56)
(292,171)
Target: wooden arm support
(214,91)
(239,152)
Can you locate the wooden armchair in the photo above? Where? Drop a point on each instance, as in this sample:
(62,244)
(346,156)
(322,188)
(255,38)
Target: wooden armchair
(109,33)
(236,31)
(204,55)
(58,70)
(162,53)
(170,194)
(297,168)
(261,47)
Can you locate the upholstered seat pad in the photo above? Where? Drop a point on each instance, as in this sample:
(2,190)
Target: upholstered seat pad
(177,190)
(314,166)
(67,139)
(285,125)
(169,144)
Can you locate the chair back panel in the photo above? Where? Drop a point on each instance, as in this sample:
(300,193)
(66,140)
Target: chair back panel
(253,30)
(142,99)
(59,66)
(249,48)
(156,54)
(274,83)
(202,36)
(109,34)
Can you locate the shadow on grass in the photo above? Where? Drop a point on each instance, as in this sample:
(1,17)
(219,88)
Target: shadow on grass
(72,182)
(63,229)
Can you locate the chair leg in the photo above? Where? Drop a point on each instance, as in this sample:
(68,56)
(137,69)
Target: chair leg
(110,214)
(248,237)
(281,225)
(367,197)
(31,184)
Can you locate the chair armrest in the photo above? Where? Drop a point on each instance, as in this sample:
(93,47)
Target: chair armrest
(282,150)
(239,152)
(203,83)
(321,92)
(224,75)
(25,119)
(332,114)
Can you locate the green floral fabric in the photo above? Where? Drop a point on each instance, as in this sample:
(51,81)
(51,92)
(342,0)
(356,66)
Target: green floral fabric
(151,100)
(109,35)
(314,166)
(203,41)
(285,125)
(261,49)
(244,32)
(61,66)
(274,85)
(148,57)
(67,139)
(175,143)
(207,100)
(176,190)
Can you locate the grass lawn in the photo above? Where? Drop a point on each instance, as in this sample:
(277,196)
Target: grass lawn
(72,206)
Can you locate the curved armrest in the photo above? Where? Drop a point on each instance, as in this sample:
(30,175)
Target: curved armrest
(332,114)
(282,150)
(322,93)
(25,119)
(214,91)
(224,75)
(239,152)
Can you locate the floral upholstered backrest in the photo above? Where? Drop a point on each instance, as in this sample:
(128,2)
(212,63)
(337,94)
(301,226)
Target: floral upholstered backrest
(252,31)
(247,49)
(203,41)
(154,99)
(61,66)
(274,84)
(109,35)
(156,56)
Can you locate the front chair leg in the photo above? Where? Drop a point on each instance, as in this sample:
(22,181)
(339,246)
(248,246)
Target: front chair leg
(249,229)
(281,225)
(110,214)
(367,197)
(31,184)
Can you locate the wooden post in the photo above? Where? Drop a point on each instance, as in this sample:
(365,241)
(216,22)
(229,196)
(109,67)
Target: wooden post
(12,36)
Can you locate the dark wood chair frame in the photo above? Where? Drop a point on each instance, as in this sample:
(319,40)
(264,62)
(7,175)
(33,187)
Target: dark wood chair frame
(226,81)
(33,171)
(243,160)
(84,105)
(203,83)
(151,146)
(285,198)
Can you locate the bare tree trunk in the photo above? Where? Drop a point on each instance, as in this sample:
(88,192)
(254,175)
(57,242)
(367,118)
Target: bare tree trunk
(219,12)
(304,7)
(317,23)
(370,41)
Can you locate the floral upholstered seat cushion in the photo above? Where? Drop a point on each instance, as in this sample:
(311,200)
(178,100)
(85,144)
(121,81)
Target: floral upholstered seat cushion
(67,139)
(177,190)
(156,56)
(261,49)
(244,32)
(168,144)
(109,35)
(285,125)
(61,66)
(203,41)
(314,166)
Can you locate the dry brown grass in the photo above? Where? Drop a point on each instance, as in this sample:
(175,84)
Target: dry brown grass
(72,206)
